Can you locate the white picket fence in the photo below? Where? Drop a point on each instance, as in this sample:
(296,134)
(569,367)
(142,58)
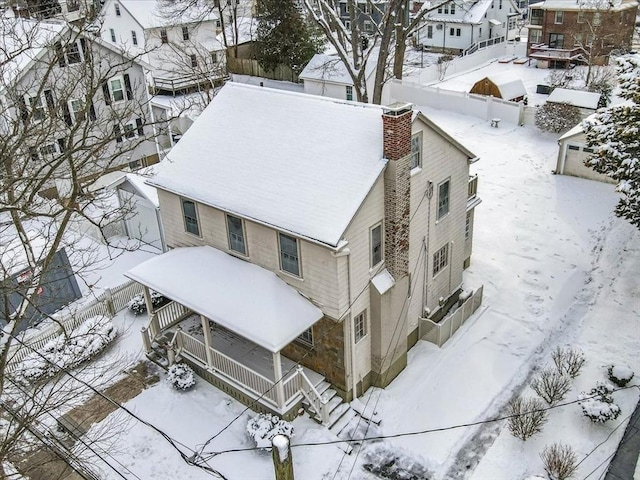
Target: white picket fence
(108,303)
(443,330)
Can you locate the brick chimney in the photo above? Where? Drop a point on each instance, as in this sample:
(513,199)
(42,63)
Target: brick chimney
(396,131)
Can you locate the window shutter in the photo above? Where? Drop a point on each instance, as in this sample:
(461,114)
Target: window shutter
(127,86)
(62,61)
(66,114)
(106,93)
(92,112)
(117,134)
(22,106)
(140,127)
(48,96)
(86,53)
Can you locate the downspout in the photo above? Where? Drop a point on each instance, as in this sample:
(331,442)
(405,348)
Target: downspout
(352,337)
(429,194)
(563,156)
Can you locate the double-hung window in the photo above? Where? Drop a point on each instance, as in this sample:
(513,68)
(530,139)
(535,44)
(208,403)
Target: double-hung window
(194,60)
(416,150)
(163,35)
(559,17)
(235,230)
(190,213)
(116,86)
(375,241)
(185,33)
(112,32)
(440,259)
(349,92)
(289,256)
(360,326)
(134,37)
(443,199)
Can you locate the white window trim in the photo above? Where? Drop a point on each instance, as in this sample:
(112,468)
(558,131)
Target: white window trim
(438,216)
(373,227)
(441,266)
(304,341)
(244,236)
(293,275)
(419,164)
(111,90)
(555,17)
(184,217)
(112,33)
(365,329)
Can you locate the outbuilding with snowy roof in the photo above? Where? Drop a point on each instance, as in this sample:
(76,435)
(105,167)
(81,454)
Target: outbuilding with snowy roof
(507,87)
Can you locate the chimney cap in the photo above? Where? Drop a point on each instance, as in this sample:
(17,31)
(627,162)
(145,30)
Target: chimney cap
(396,109)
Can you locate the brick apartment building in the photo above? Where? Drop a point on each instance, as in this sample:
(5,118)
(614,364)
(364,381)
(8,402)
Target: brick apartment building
(562,32)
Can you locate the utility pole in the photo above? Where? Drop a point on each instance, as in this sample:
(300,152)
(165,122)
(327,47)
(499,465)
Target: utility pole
(282,460)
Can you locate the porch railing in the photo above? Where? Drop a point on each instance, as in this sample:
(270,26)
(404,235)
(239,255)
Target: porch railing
(170,314)
(296,385)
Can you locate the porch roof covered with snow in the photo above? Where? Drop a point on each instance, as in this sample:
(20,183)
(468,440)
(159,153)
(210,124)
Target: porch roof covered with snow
(240,296)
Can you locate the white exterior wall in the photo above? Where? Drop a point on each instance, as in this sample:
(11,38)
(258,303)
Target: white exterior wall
(326,89)
(69,83)
(571,162)
(122,26)
(370,214)
(319,266)
(440,161)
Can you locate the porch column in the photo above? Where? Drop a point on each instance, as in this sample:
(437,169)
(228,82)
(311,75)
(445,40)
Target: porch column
(146,293)
(206,330)
(277,372)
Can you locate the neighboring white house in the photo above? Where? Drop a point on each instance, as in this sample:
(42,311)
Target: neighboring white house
(303,234)
(461,25)
(82,88)
(181,48)
(587,102)
(572,153)
(327,76)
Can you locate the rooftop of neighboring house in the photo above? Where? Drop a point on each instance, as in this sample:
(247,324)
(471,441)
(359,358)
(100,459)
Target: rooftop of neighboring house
(280,158)
(474,12)
(16,33)
(329,68)
(601,5)
(155,13)
(577,98)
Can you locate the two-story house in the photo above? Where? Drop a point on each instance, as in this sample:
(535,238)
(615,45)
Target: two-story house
(180,45)
(309,238)
(459,26)
(585,31)
(75,107)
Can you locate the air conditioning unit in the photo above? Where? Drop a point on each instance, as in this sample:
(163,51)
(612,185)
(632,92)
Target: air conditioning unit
(439,26)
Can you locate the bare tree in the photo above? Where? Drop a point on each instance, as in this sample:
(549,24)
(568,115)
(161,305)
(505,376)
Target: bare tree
(73,109)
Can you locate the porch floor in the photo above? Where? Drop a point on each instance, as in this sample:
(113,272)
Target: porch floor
(243,351)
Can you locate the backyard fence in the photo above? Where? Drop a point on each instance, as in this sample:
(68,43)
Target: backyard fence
(108,303)
(443,330)
(250,66)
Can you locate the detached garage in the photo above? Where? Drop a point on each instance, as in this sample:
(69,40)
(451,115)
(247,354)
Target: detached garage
(144,223)
(572,153)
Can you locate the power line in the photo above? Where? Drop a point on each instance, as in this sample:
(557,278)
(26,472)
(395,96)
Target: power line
(171,441)
(430,430)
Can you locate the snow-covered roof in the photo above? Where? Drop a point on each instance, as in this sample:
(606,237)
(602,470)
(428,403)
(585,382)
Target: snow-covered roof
(577,130)
(510,85)
(246,31)
(154,13)
(383,281)
(331,69)
(474,13)
(300,163)
(614,5)
(578,98)
(241,296)
(15,34)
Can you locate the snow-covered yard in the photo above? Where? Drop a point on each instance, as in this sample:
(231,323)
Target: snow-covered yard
(557,269)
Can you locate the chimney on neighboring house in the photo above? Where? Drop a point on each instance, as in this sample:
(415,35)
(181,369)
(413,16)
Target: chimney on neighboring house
(396,127)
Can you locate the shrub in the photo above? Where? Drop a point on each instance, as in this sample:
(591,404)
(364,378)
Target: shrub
(557,117)
(138,306)
(620,374)
(264,426)
(560,461)
(528,419)
(551,385)
(598,404)
(385,461)
(181,376)
(568,361)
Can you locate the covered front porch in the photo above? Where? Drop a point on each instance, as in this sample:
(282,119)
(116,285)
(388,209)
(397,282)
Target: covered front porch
(230,319)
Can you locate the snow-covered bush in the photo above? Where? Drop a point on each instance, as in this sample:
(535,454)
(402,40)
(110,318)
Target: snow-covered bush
(387,462)
(64,352)
(551,385)
(568,361)
(181,376)
(527,418)
(264,426)
(557,117)
(620,374)
(560,461)
(598,404)
(138,306)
